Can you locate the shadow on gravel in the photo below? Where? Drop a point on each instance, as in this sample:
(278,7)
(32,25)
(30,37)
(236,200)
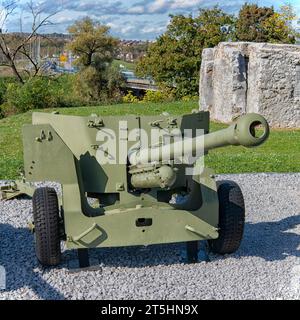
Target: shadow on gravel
(17,256)
(129,257)
(272,241)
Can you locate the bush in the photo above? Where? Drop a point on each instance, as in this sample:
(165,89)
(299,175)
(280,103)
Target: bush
(3,87)
(86,85)
(2,90)
(98,86)
(38,93)
(89,86)
(130,98)
(7,110)
(150,96)
(190,98)
(158,96)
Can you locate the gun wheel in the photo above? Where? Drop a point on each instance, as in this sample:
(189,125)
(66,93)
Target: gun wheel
(46,221)
(231,219)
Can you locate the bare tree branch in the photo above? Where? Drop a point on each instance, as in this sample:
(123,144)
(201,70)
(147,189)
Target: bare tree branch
(12,53)
(34,63)
(35,25)
(8,10)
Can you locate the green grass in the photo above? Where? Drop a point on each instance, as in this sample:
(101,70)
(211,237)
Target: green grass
(128,65)
(280,154)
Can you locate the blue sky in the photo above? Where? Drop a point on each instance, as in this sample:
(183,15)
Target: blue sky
(132,19)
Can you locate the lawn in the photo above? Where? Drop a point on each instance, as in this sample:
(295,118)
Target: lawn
(128,65)
(280,154)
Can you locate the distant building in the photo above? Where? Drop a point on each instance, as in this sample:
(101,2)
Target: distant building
(131,50)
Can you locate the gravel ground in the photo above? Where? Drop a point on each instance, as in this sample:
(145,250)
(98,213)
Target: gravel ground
(267,266)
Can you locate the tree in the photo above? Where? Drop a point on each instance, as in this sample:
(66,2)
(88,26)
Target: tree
(249,26)
(95,48)
(174,59)
(277,30)
(92,42)
(289,15)
(263,24)
(93,86)
(287,11)
(16,46)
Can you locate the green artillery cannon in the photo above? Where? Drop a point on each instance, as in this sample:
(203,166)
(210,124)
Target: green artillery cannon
(138,196)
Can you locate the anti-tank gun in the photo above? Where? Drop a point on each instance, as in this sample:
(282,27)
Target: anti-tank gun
(243,132)
(138,196)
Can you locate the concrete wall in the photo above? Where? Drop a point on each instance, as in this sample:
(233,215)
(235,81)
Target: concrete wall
(238,78)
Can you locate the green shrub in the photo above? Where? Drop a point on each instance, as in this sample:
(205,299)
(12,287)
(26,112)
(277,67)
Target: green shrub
(2,91)
(3,87)
(189,98)
(38,93)
(150,96)
(7,110)
(93,86)
(157,96)
(2,112)
(130,98)
(86,85)
(114,84)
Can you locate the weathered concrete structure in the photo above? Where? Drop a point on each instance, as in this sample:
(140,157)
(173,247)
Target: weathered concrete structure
(242,77)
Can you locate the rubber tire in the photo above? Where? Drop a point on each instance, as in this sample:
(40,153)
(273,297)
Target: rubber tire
(231,219)
(46,222)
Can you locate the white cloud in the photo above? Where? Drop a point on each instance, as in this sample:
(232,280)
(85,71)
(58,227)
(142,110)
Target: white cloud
(127,29)
(112,25)
(136,10)
(153,30)
(130,19)
(159,5)
(185,4)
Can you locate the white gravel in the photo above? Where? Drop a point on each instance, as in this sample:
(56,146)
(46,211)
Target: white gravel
(267,266)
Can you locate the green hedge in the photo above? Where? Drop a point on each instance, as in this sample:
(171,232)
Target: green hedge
(36,93)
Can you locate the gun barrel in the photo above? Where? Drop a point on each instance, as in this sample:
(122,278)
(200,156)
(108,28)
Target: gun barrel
(250,130)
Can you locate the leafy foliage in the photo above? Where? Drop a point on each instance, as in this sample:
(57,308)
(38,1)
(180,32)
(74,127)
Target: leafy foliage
(92,86)
(174,59)
(278,27)
(130,98)
(249,25)
(276,30)
(37,93)
(263,24)
(3,88)
(91,42)
(98,79)
(157,96)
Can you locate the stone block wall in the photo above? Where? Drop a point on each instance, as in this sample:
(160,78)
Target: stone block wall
(240,77)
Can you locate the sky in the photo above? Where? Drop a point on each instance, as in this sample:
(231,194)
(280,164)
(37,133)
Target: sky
(131,19)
